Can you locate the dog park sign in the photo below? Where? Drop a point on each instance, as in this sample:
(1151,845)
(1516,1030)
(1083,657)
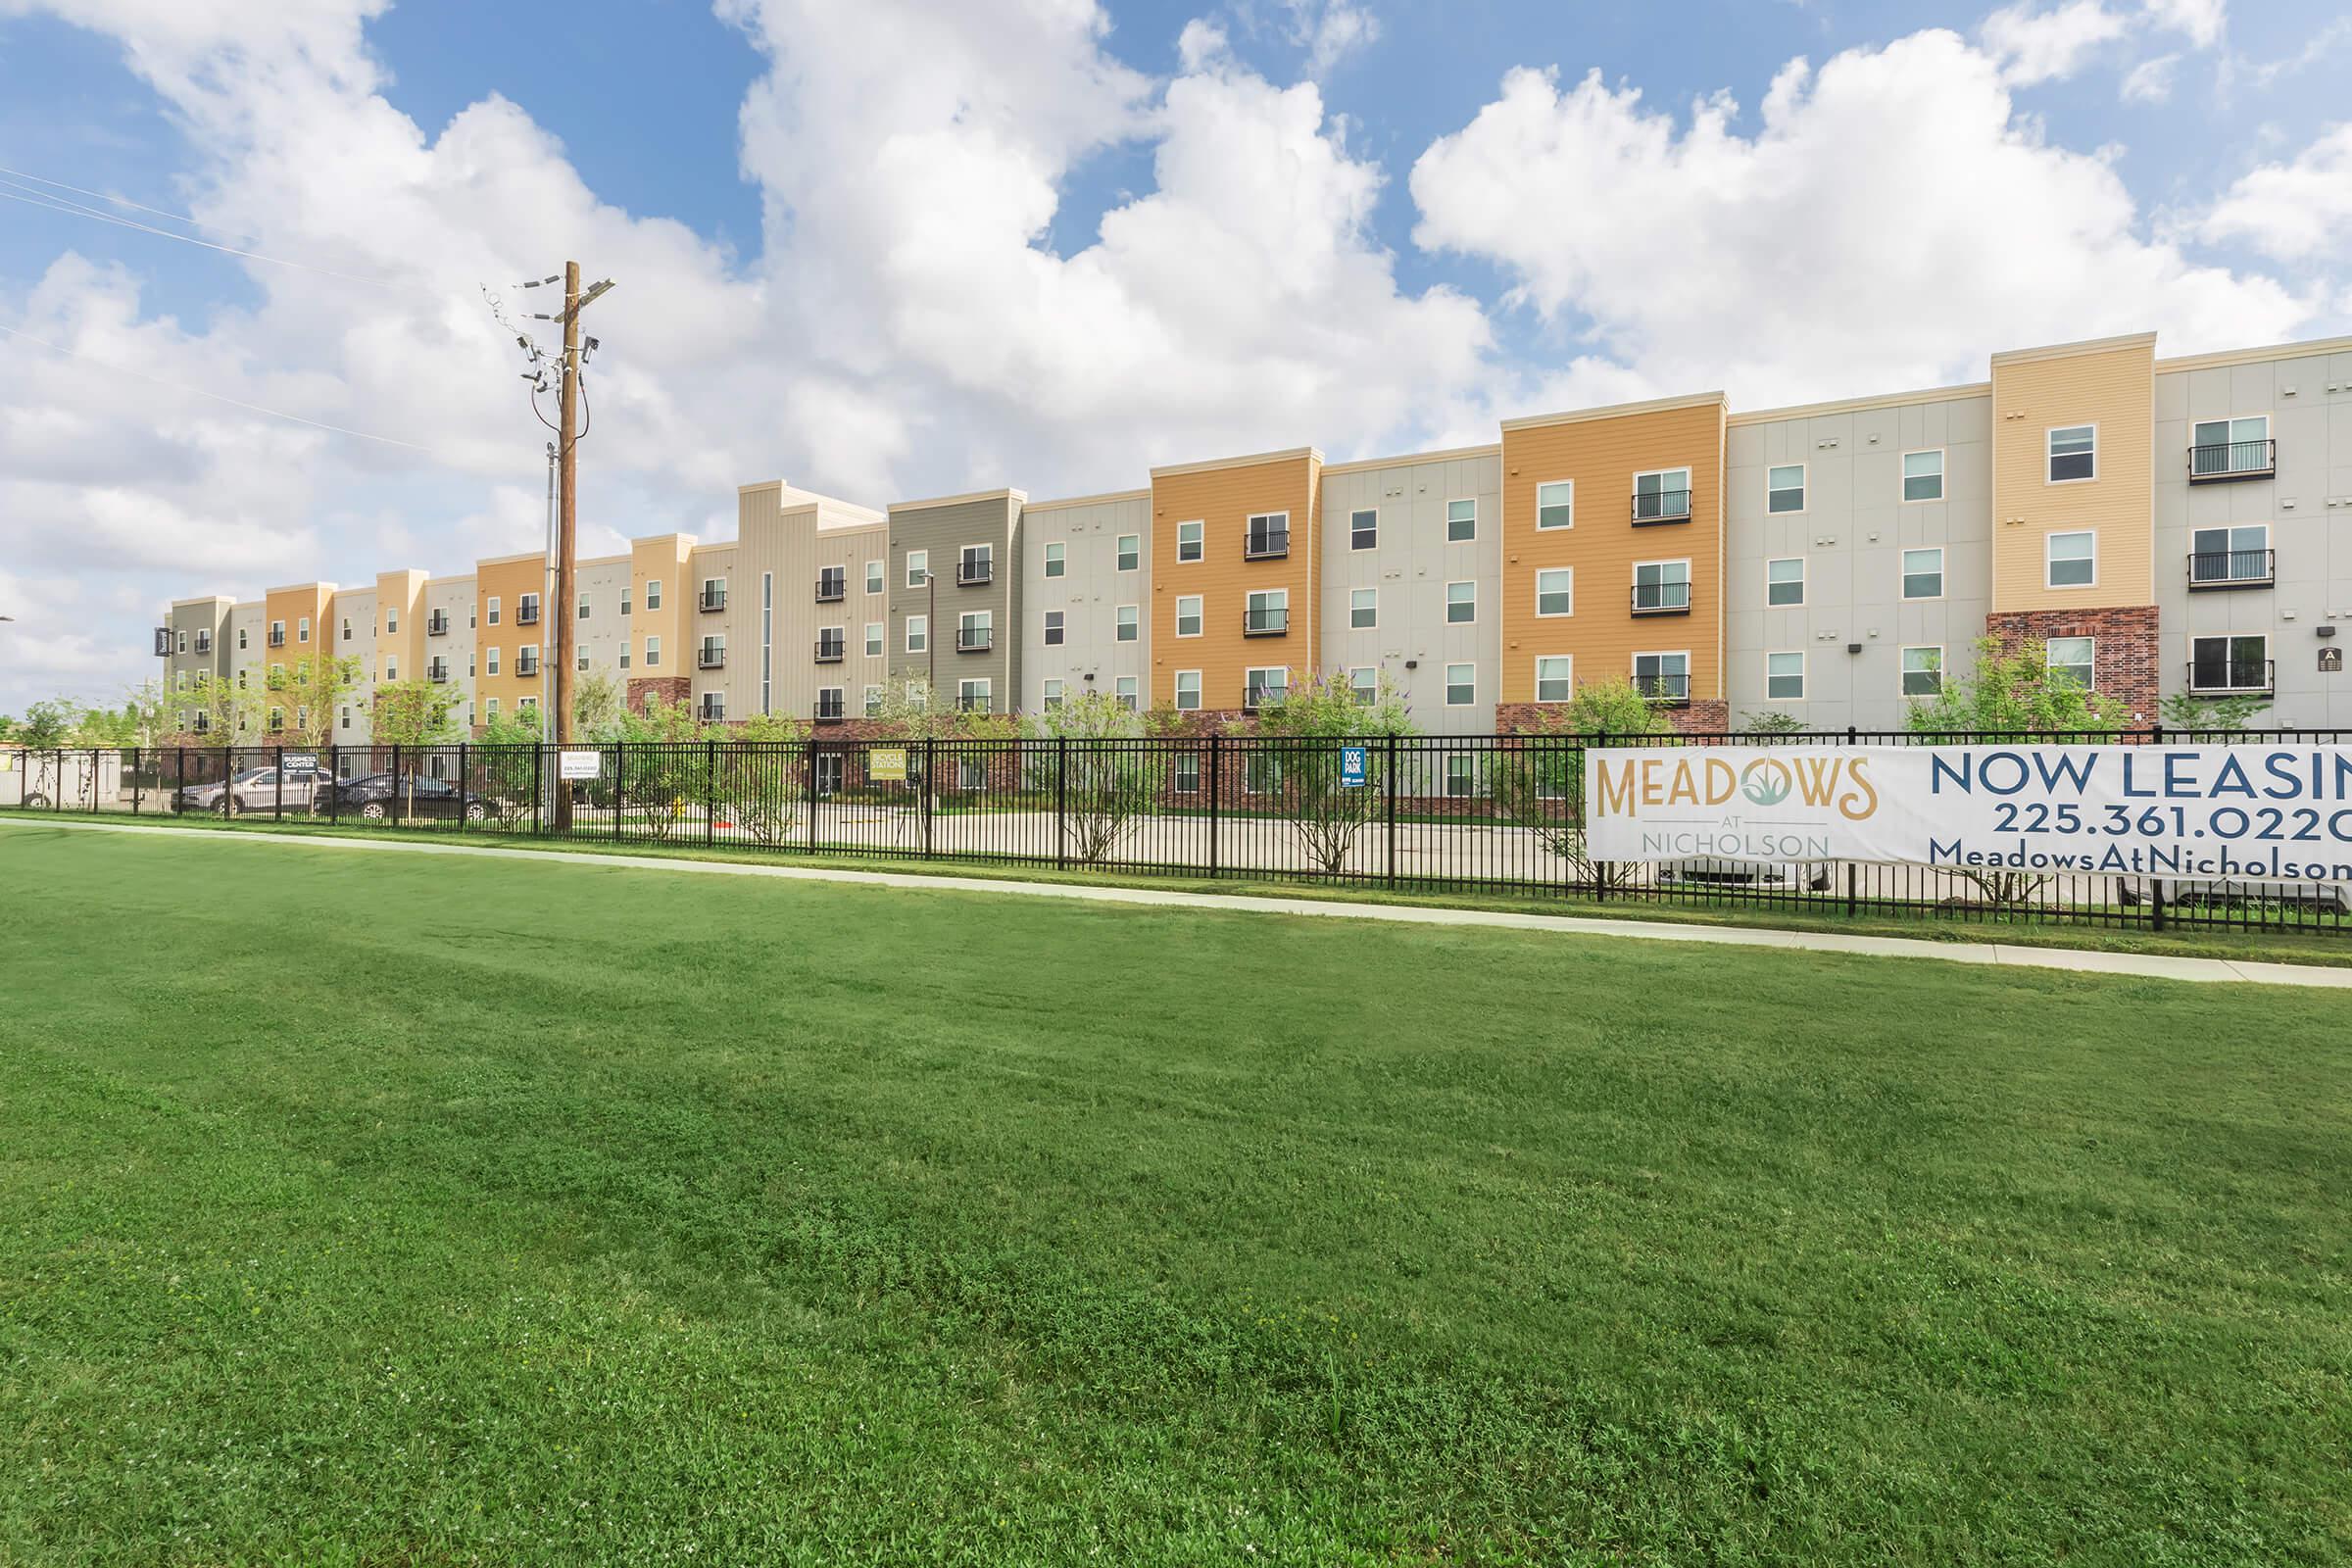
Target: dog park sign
(2248,812)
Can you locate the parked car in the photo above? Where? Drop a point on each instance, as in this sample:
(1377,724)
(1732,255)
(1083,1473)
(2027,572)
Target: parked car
(2322,897)
(1812,876)
(257,789)
(385,796)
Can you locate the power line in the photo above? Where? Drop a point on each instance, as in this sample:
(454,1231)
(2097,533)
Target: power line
(125,201)
(197,391)
(58,204)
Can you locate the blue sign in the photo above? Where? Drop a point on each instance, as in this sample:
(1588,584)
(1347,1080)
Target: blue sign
(1351,767)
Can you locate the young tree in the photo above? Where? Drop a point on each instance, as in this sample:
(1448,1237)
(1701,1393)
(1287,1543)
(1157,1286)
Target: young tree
(1773,722)
(1111,774)
(911,711)
(505,755)
(51,721)
(1301,737)
(219,708)
(596,705)
(762,771)
(1539,782)
(310,690)
(2014,691)
(664,774)
(2225,715)
(416,713)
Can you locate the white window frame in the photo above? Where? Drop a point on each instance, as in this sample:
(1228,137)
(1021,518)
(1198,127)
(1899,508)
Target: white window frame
(1542,572)
(1127,623)
(652,593)
(1354,530)
(877,576)
(653,653)
(1194,705)
(987,691)
(2049,558)
(1543,485)
(918,568)
(919,634)
(1283,686)
(1128,692)
(1354,625)
(1269,518)
(491,616)
(1050,697)
(1056,631)
(1804,497)
(1797,653)
(1365,691)
(1903,673)
(1200,542)
(1118,551)
(2049,457)
(1452,501)
(1685,488)
(490,663)
(1567,677)
(1803,572)
(1632,665)
(2047,663)
(1902,479)
(1688,584)
(2269,659)
(1185,766)
(1470,701)
(1200,605)
(1903,574)
(1470,583)
(877,639)
(1056,558)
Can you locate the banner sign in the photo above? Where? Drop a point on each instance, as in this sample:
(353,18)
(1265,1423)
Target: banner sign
(2269,812)
(580,765)
(299,762)
(1351,767)
(886,764)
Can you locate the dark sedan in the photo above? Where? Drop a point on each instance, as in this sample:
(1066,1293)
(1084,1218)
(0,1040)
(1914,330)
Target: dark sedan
(384,798)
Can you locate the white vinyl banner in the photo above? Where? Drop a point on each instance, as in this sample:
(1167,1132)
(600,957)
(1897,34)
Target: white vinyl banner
(2255,812)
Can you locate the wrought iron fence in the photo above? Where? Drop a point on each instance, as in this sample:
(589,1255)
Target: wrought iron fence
(1492,814)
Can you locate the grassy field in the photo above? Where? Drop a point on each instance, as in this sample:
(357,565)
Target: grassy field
(381,1209)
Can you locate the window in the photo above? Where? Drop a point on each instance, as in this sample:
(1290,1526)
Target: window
(301,628)
(1663,678)
(1363,607)
(492,607)
(1268,612)
(1459,777)
(1262,774)
(1462,522)
(972,695)
(2074,657)
(277,673)
(1057,559)
(472,616)
(490,711)
(180,643)
(346,632)
(1363,529)
(624,599)
(829,764)
(2230,555)
(1922,573)
(391,667)
(2230,446)
(828,708)
(1923,475)
(874,577)
(1191,540)
(343,719)
(1364,686)
(1785,582)
(2074,453)
(1923,671)
(977,564)
(714,593)
(1784,488)
(1662,585)
(1131,551)
(203,642)
(1554,679)
(1262,686)
(1555,503)
(1555,591)
(1461,604)
(583,612)
(1188,616)
(526,610)
(918,633)
(873,639)
(1129,623)
(971,775)
(1187,774)
(653,595)
(2074,559)
(975,631)
(1269,535)
(1188,689)
(1127,691)
(2229,663)
(391,621)
(1784,677)
(653,652)
(623,662)
(240,638)
(491,663)
(582,662)
(715,706)
(1461,685)
(1663,495)
(872,701)
(918,568)
(1052,628)
(1052,694)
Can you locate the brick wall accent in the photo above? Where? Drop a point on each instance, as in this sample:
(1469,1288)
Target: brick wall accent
(2128,650)
(1706,715)
(670,688)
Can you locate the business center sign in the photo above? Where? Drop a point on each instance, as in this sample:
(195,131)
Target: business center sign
(2252,812)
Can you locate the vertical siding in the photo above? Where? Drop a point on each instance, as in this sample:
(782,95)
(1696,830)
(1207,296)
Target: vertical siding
(1223,499)
(1601,454)
(2114,388)
(1088,595)
(707,562)
(944,531)
(454,597)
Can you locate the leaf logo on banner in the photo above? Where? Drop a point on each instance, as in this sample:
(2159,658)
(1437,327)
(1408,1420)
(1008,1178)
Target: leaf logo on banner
(1766,783)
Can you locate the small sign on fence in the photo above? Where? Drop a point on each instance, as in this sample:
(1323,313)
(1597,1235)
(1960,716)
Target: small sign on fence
(886,764)
(1351,767)
(580,765)
(299,762)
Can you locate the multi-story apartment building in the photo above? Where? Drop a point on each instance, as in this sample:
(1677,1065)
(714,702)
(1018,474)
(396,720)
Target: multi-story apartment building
(2159,526)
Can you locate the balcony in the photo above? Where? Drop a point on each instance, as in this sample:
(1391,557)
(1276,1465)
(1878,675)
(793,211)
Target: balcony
(975,571)
(2233,677)
(2232,460)
(1266,622)
(712,713)
(1666,691)
(277,638)
(712,600)
(2233,569)
(1661,598)
(976,639)
(1267,544)
(525,666)
(438,674)
(832,587)
(1660,506)
(830,709)
(526,614)
(831,649)
(710,655)
(436,624)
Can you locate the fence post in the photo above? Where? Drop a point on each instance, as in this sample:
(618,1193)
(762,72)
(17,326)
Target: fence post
(1850,910)
(710,791)
(1576,807)
(621,768)
(930,785)
(334,785)
(1062,803)
(809,788)
(180,775)
(277,800)
(1216,776)
(138,786)
(463,776)
(2156,884)
(393,816)
(1391,809)
(539,785)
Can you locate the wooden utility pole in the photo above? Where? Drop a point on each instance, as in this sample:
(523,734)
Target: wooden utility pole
(566,609)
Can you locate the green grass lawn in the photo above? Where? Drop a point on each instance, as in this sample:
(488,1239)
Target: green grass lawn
(386,1209)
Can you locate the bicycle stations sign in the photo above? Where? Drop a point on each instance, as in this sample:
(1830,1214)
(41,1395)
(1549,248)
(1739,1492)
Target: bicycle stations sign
(2248,812)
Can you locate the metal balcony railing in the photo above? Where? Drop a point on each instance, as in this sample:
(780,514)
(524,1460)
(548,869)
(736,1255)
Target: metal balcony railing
(976,639)
(2232,460)
(436,625)
(1267,544)
(2233,677)
(277,639)
(829,709)
(831,649)
(714,599)
(1661,598)
(526,665)
(526,614)
(1670,691)
(831,588)
(1265,622)
(1662,505)
(1254,697)
(710,655)
(2233,569)
(975,573)
(438,674)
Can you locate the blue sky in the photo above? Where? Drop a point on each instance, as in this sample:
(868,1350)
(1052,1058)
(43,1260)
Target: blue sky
(903,247)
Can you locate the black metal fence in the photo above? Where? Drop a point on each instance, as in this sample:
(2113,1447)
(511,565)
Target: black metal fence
(1423,813)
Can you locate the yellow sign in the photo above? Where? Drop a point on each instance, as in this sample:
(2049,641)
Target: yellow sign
(886,764)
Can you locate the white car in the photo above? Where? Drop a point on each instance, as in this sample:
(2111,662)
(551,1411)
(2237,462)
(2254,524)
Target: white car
(257,789)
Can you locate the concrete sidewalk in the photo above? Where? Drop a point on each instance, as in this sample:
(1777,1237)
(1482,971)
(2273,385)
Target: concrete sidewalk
(2146,966)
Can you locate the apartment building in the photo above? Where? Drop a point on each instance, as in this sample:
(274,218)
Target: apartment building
(2158,525)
